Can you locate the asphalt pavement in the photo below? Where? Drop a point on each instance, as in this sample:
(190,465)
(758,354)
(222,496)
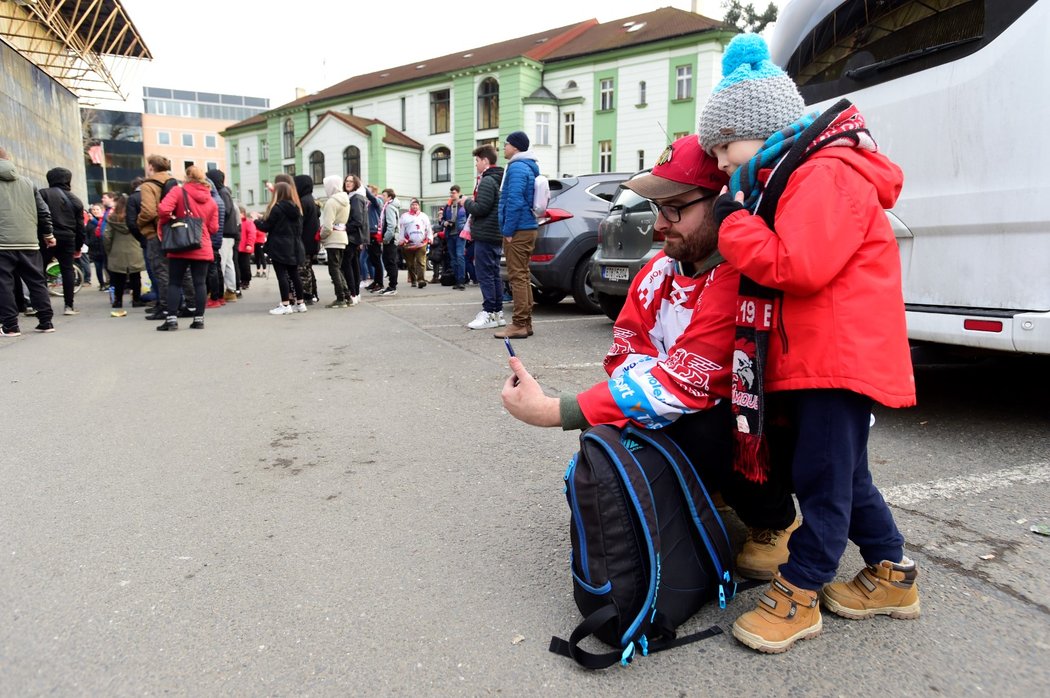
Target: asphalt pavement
(335,503)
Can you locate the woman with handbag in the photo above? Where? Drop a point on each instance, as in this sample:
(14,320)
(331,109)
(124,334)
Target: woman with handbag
(283,226)
(188,211)
(124,258)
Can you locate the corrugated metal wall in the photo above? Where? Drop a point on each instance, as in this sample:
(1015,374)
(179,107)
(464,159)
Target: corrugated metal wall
(39,121)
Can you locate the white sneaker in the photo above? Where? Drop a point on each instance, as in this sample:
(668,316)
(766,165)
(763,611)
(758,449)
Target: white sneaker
(354,300)
(484,321)
(500,319)
(282,310)
(301,308)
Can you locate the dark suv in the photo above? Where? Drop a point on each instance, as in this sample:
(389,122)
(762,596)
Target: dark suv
(567,237)
(626,243)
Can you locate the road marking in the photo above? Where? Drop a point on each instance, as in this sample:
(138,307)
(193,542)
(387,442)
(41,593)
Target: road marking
(967,485)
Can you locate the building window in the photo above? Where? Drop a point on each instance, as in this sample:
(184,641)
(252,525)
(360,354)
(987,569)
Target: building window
(163,138)
(247,155)
(679,134)
(570,128)
(404,115)
(641,93)
(317,166)
(187,140)
(264,151)
(605,156)
(641,159)
(543,128)
(289,139)
(211,141)
(264,195)
(606,87)
(234,155)
(187,164)
(683,82)
(212,165)
(289,169)
(351,161)
(439,165)
(494,142)
(488,104)
(251,197)
(439,111)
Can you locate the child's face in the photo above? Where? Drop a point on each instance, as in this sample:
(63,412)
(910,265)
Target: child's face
(733,155)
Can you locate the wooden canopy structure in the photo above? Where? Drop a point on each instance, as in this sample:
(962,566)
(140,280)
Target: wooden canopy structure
(79,43)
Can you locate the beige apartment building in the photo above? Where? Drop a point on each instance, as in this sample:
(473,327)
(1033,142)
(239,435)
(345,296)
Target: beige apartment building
(184,125)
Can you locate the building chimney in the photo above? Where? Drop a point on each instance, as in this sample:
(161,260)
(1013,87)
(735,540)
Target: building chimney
(300,92)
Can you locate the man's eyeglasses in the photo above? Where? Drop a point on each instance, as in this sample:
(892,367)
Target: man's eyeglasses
(673,214)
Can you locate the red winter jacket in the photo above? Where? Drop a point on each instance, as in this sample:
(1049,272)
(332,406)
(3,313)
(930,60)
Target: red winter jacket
(833,255)
(201,206)
(248,236)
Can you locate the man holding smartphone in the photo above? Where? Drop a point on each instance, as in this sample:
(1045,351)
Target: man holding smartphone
(670,365)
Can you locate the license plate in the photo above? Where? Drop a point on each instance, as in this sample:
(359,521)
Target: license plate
(615,273)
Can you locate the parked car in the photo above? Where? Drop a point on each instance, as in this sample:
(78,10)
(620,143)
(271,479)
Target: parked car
(626,243)
(568,236)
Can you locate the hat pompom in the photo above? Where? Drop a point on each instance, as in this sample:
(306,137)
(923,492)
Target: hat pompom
(744,49)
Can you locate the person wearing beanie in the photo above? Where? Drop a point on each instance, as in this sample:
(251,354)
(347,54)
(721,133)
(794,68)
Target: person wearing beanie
(803,220)
(518,226)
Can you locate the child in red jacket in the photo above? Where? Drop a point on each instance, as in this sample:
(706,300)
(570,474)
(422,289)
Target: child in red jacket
(820,335)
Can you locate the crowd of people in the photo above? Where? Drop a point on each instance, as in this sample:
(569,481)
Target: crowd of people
(367,235)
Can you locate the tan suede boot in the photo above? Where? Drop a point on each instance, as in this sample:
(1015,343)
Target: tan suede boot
(785,614)
(764,551)
(512,331)
(886,589)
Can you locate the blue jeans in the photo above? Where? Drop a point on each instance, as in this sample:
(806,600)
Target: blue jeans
(468,259)
(454,245)
(486,264)
(828,442)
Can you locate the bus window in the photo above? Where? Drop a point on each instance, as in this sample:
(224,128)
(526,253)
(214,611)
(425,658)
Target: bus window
(861,43)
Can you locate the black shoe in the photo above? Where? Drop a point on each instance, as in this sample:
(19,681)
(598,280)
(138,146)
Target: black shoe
(157,315)
(460,287)
(197,325)
(185,312)
(421,284)
(167,326)
(45,327)
(139,304)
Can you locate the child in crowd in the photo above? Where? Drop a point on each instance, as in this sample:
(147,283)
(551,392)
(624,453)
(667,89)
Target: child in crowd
(820,334)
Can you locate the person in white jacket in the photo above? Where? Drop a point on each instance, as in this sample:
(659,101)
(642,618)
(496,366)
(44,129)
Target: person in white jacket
(415,235)
(333,236)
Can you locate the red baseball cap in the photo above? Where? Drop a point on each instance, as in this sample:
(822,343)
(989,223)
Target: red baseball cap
(681,167)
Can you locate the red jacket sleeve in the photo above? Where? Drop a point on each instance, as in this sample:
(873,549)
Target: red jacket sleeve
(812,242)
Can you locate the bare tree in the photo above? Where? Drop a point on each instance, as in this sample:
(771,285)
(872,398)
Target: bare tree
(746,18)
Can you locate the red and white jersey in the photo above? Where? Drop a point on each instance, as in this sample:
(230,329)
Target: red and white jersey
(672,347)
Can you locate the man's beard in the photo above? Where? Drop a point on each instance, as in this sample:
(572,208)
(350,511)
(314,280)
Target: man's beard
(691,249)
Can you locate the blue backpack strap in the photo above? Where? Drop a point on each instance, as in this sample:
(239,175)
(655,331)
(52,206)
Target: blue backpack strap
(705,517)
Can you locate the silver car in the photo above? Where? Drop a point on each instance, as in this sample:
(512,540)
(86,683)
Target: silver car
(626,243)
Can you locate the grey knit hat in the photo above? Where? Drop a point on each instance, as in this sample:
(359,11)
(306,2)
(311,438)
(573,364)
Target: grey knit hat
(754,100)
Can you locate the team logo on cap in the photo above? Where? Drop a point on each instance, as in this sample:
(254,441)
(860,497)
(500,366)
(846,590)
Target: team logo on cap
(665,157)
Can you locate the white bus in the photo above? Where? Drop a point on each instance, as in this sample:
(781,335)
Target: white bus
(957,92)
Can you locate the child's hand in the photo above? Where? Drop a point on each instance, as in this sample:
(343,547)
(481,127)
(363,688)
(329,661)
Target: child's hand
(726,205)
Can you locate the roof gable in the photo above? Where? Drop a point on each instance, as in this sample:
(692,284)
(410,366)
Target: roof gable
(360,124)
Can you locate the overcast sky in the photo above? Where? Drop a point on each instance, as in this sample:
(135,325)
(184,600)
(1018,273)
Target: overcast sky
(248,47)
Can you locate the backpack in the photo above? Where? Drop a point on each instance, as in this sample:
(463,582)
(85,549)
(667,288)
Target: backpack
(648,546)
(541,195)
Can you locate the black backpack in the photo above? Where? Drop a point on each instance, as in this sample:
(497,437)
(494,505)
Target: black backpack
(648,546)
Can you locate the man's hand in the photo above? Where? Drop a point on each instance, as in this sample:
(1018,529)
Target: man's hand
(523,397)
(50,241)
(726,205)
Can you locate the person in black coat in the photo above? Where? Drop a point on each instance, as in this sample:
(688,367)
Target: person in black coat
(283,225)
(67,218)
(304,186)
(356,235)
